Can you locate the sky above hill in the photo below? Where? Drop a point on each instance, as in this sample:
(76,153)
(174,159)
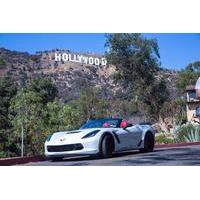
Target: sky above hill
(176,50)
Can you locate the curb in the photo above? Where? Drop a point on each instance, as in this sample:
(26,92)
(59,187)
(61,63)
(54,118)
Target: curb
(20,160)
(176,145)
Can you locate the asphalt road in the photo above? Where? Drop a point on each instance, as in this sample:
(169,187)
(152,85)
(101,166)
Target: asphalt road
(176,156)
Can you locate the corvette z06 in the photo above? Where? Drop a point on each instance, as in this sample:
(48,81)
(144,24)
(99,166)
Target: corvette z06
(100,138)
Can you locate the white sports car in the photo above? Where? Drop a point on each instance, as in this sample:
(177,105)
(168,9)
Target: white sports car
(102,138)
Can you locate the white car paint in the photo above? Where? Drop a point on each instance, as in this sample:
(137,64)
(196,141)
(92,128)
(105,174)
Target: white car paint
(124,139)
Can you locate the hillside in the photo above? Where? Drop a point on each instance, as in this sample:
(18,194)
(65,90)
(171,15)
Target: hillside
(70,77)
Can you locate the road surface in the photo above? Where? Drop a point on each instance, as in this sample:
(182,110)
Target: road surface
(188,155)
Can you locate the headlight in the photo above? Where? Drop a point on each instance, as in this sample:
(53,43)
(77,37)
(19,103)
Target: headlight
(49,138)
(91,134)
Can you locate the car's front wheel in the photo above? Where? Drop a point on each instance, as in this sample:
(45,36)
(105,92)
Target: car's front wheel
(149,142)
(107,146)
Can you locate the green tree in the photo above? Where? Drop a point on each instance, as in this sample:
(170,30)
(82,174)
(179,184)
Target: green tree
(7,91)
(44,87)
(176,110)
(28,110)
(135,57)
(154,96)
(188,76)
(60,117)
(137,60)
(27,120)
(91,105)
(123,108)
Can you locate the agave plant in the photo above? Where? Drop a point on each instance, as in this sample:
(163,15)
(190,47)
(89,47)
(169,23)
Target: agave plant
(193,136)
(188,133)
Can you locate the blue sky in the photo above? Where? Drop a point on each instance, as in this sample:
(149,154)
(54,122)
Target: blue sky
(176,50)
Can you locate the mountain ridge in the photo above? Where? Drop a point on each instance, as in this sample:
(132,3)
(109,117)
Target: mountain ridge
(70,77)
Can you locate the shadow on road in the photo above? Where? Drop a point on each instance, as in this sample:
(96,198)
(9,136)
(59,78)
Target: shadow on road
(115,155)
(163,157)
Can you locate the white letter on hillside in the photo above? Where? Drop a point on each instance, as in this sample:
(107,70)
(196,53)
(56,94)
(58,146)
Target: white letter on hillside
(91,60)
(96,61)
(70,57)
(103,61)
(75,58)
(80,57)
(85,60)
(65,57)
(57,57)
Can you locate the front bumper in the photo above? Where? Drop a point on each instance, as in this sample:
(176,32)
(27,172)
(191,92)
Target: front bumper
(85,147)
(67,147)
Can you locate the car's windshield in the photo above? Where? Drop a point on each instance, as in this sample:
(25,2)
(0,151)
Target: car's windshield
(102,123)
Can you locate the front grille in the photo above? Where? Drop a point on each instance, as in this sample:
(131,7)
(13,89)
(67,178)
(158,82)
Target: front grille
(68,147)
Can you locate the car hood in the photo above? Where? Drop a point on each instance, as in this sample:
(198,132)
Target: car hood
(71,135)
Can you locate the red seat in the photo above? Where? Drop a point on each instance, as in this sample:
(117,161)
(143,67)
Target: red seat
(105,125)
(123,124)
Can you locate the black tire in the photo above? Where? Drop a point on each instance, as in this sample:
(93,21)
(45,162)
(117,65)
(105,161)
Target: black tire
(107,146)
(149,142)
(56,159)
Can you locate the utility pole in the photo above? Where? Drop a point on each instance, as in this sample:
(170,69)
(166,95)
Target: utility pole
(22,141)
(22,129)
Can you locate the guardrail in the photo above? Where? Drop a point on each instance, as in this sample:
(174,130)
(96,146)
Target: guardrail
(24,160)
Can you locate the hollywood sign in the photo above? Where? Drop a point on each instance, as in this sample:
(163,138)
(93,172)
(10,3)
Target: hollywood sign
(89,60)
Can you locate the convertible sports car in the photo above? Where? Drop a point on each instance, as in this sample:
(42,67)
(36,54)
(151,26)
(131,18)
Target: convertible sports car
(102,138)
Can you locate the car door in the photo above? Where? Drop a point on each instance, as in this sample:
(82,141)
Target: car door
(129,138)
(134,136)
(123,137)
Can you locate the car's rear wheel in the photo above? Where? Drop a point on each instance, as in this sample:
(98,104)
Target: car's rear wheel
(149,142)
(107,146)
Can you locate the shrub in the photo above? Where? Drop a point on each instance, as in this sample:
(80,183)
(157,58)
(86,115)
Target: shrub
(188,133)
(164,139)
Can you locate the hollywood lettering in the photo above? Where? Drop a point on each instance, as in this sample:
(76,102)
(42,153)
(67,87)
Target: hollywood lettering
(89,60)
